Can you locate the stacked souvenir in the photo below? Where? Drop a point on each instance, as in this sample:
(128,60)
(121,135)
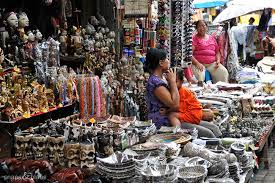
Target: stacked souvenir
(247,127)
(117,166)
(25,97)
(122,85)
(98,45)
(59,141)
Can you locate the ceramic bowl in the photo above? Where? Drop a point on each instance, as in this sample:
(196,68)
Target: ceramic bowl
(192,174)
(159,173)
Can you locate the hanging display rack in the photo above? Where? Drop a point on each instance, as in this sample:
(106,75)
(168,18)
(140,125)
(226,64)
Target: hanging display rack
(175,30)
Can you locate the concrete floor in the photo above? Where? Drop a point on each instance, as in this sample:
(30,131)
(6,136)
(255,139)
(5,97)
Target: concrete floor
(263,175)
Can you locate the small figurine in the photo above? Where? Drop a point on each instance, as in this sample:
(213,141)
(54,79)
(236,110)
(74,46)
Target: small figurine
(94,21)
(38,35)
(77,40)
(29,46)
(50,97)
(90,30)
(102,20)
(63,42)
(26,105)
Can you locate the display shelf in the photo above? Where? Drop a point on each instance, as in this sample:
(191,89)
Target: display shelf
(10,127)
(51,113)
(72,61)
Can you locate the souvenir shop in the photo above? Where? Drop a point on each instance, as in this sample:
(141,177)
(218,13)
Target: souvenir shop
(73,99)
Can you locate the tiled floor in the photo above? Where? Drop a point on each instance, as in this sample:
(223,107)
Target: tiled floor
(266,176)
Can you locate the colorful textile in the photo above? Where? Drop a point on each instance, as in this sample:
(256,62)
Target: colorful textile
(154,104)
(190,108)
(205,50)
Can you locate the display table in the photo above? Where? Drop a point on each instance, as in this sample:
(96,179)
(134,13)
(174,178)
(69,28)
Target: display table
(262,147)
(8,128)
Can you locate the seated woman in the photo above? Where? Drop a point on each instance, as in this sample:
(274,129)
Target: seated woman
(190,113)
(162,92)
(206,55)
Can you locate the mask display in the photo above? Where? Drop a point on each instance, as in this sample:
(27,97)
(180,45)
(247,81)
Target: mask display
(56,149)
(12,20)
(23,20)
(72,154)
(87,155)
(23,146)
(39,143)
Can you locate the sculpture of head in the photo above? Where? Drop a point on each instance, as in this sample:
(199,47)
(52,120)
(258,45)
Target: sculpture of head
(31,36)
(23,19)
(12,20)
(38,35)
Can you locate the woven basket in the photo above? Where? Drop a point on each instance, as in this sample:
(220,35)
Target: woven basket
(165,138)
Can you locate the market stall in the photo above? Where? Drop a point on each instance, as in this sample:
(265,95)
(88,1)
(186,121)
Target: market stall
(79,114)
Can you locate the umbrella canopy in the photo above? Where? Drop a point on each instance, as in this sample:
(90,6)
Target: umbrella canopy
(238,8)
(208,3)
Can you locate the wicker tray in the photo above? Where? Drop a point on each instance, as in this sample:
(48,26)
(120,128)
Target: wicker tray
(166,138)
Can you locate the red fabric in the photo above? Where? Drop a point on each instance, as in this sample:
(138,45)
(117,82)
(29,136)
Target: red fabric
(188,73)
(190,108)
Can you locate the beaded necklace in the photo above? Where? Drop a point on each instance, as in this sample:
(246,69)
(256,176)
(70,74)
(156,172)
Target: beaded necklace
(88,93)
(92,96)
(101,97)
(85,98)
(98,105)
(81,103)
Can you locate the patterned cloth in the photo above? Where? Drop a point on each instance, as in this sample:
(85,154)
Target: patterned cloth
(154,104)
(233,65)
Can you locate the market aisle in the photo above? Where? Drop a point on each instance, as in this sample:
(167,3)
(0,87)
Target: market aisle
(267,176)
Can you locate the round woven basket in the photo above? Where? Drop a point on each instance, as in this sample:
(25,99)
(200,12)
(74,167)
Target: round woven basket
(166,138)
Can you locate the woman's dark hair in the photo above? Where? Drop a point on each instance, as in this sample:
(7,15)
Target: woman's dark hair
(153,57)
(180,74)
(197,23)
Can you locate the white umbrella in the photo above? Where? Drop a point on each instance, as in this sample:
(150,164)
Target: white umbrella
(238,8)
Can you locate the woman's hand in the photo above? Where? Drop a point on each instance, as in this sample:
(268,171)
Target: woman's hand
(217,63)
(199,66)
(171,76)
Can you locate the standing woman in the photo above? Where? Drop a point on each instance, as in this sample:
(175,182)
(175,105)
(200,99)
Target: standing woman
(162,92)
(206,56)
